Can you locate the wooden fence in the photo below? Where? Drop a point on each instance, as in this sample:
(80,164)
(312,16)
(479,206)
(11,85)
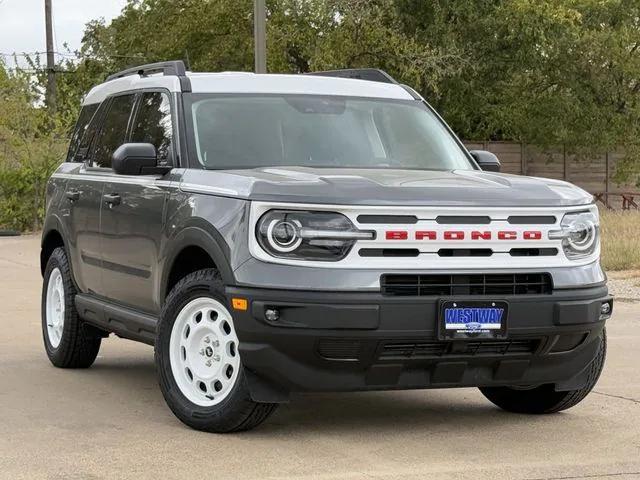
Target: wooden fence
(593,174)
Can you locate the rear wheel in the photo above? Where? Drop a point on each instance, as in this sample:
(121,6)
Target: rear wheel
(198,362)
(544,399)
(69,343)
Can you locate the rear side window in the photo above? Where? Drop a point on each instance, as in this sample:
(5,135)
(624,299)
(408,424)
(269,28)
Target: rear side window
(81,127)
(114,130)
(153,124)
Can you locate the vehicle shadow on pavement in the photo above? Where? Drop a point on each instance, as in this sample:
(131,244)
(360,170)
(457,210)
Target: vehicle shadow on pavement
(463,409)
(325,412)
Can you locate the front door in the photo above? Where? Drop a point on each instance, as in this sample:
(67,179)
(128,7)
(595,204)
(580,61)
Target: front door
(133,213)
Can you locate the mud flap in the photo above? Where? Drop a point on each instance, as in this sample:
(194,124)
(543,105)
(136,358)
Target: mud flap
(263,391)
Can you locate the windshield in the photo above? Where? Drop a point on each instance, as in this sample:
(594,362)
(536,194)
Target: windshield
(234,132)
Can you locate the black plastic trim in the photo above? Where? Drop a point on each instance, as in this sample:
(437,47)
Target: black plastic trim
(531,219)
(369,74)
(387,219)
(170,68)
(124,322)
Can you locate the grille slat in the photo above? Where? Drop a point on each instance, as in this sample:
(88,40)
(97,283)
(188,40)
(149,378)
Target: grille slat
(426,350)
(474,284)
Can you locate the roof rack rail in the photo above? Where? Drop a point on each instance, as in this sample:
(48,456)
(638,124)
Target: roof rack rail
(170,68)
(370,74)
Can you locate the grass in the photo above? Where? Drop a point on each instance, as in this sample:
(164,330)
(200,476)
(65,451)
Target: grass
(620,240)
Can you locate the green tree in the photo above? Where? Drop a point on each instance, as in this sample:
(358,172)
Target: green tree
(31,146)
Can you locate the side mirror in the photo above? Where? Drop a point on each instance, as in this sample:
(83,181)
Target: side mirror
(487,160)
(137,159)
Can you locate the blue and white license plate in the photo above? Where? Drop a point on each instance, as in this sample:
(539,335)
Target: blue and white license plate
(473,319)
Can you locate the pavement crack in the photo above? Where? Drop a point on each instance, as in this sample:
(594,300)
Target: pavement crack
(593,475)
(617,396)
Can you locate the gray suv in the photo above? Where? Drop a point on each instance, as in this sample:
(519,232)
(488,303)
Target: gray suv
(270,234)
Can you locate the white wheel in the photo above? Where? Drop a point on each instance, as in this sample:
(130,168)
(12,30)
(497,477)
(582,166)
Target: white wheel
(55,307)
(203,352)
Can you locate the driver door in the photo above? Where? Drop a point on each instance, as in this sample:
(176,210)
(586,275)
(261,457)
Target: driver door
(133,211)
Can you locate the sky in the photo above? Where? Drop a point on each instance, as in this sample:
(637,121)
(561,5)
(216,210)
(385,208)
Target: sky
(22,23)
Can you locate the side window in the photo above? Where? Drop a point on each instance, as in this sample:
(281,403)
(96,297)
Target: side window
(153,124)
(114,130)
(86,113)
(90,132)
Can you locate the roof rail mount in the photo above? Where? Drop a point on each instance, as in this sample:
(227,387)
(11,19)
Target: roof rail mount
(170,68)
(370,74)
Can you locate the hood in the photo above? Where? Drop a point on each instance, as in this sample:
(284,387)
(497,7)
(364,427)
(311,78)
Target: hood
(386,187)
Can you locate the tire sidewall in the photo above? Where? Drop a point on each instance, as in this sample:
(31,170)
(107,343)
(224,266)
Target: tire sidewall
(58,260)
(181,406)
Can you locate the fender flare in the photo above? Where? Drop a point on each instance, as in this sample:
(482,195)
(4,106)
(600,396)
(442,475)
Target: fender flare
(203,235)
(54,224)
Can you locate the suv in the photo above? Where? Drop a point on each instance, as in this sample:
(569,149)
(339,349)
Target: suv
(270,234)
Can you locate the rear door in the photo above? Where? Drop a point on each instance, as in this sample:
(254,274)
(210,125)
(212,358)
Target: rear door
(133,211)
(81,206)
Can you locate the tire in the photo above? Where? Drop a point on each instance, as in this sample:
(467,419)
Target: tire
(69,343)
(544,399)
(198,362)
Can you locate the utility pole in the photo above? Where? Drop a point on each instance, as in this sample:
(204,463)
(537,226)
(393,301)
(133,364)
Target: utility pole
(51,75)
(260,35)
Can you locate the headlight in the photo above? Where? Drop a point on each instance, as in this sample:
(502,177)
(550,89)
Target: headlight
(308,235)
(580,234)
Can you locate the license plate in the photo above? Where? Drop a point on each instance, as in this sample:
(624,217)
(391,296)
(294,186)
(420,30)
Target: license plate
(473,319)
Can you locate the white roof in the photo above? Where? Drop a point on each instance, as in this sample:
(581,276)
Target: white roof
(241,82)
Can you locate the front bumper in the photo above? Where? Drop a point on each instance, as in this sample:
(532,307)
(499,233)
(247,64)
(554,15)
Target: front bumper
(338,341)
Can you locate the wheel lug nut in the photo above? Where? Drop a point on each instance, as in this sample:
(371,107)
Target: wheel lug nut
(216,343)
(202,351)
(207,339)
(216,358)
(208,364)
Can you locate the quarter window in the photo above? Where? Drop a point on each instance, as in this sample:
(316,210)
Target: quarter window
(114,130)
(81,127)
(153,124)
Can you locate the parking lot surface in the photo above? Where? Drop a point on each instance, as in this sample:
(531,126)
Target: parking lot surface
(110,421)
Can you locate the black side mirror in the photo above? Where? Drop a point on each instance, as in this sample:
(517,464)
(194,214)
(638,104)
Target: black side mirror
(487,160)
(137,159)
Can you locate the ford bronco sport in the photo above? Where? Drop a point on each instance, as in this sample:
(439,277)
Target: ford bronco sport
(270,234)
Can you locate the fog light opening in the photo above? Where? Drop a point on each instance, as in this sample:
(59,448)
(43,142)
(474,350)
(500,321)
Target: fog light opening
(272,314)
(605,308)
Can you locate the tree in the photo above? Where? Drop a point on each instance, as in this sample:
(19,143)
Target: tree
(30,148)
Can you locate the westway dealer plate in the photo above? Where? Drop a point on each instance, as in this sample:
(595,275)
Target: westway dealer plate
(473,319)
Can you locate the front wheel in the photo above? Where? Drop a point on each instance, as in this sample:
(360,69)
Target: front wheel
(544,399)
(198,361)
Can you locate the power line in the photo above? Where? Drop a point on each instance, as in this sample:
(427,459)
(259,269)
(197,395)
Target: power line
(66,54)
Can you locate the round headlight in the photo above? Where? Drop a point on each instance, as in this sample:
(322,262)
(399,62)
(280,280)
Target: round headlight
(579,234)
(582,235)
(308,235)
(283,235)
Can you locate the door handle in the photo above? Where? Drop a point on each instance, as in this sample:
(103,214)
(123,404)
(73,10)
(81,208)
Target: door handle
(111,199)
(72,195)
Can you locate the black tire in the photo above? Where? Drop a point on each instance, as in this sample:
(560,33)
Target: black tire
(237,411)
(79,344)
(544,399)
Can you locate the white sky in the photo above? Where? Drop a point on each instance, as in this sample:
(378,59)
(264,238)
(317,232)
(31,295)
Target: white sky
(22,23)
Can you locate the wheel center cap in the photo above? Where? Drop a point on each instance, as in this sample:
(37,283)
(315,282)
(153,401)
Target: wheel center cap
(208,352)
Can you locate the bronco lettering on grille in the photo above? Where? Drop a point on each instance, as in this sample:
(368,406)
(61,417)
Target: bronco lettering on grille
(460,235)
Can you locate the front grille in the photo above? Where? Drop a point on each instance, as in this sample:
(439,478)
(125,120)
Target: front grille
(426,350)
(458,284)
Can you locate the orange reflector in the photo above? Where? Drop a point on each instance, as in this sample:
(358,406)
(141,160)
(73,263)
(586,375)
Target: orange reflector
(239,303)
